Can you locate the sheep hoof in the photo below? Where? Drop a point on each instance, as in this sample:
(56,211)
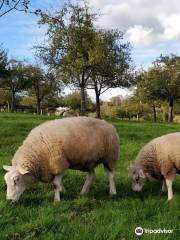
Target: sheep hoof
(112,194)
(56,200)
(169,199)
(56,197)
(84,192)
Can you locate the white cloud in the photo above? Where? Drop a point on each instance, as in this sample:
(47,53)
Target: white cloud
(147,23)
(140,35)
(171,27)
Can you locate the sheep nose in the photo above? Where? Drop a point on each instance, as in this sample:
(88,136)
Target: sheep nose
(11,200)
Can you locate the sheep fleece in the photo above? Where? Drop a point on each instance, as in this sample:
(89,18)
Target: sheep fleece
(76,143)
(161,155)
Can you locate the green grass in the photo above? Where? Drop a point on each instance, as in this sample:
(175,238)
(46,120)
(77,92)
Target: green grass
(95,216)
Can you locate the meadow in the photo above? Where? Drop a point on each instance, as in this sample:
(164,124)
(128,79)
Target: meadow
(95,216)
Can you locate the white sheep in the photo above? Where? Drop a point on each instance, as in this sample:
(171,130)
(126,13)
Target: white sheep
(160,158)
(55,146)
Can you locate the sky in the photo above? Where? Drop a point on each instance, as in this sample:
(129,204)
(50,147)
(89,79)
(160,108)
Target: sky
(151,26)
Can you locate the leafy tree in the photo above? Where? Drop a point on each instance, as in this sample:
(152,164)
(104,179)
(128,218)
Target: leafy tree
(116,100)
(147,91)
(5,99)
(3,62)
(110,63)
(168,80)
(162,82)
(48,104)
(15,80)
(7,6)
(70,40)
(42,84)
(73,100)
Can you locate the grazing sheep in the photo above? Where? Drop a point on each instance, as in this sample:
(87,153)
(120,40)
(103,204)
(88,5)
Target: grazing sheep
(160,158)
(55,146)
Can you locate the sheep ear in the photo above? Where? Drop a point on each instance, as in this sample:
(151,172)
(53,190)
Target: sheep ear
(7,168)
(23,171)
(141,173)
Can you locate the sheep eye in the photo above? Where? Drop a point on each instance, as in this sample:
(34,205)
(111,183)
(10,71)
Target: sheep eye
(16,179)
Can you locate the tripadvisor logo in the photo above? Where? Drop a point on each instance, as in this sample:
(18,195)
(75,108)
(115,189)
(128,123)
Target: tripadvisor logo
(139,231)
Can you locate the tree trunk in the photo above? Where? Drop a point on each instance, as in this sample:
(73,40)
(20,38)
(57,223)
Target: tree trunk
(154,113)
(38,105)
(98,106)
(170,113)
(8,106)
(83,101)
(12,101)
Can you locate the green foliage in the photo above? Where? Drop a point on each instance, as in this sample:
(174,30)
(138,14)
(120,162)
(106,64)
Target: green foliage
(14,80)
(109,110)
(110,63)
(161,82)
(95,216)
(41,84)
(70,33)
(73,100)
(110,60)
(3,62)
(5,97)
(70,40)
(82,54)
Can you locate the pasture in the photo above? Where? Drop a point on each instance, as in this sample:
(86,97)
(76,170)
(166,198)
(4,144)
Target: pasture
(95,216)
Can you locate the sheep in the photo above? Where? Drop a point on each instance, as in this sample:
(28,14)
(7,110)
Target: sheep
(58,145)
(159,159)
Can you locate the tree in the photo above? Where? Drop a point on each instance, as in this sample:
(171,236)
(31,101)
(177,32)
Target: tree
(147,91)
(5,99)
(3,62)
(42,84)
(110,63)
(15,80)
(162,82)
(116,100)
(7,6)
(70,40)
(168,77)
(73,100)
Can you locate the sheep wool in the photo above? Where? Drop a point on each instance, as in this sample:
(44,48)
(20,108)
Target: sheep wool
(75,143)
(161,156)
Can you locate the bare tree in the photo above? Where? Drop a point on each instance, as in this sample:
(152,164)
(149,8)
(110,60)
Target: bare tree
(7,6)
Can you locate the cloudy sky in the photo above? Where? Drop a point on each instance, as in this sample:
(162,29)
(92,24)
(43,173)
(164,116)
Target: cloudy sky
(151,26)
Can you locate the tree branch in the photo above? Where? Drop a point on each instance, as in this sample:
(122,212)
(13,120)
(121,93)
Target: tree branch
(105,90)
(11,7)
(2,4)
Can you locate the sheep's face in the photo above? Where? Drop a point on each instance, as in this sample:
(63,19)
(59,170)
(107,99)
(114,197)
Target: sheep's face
(137,178)
(15,180)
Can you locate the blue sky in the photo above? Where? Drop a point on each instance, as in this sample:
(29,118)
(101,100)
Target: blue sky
(19,32)
(152,27)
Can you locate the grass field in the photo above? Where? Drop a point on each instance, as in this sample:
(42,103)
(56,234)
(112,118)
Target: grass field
(95,216)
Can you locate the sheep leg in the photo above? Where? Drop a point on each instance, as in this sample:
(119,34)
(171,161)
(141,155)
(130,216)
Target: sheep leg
(58,187)
(112,186)
(88,182)
(164,186)
(169,180)
(169,187)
